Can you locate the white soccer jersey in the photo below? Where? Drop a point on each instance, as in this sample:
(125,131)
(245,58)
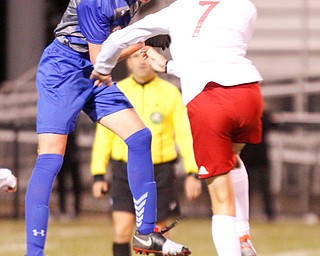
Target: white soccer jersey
(209,42)
(6,178)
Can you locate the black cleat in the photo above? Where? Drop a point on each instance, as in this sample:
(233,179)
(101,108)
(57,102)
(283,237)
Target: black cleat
(156,243)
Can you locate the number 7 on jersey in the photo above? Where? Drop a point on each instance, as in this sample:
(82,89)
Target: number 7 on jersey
(211,5)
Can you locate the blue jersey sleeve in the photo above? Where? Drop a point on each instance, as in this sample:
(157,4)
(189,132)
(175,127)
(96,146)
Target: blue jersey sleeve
(94,20)
(97,18)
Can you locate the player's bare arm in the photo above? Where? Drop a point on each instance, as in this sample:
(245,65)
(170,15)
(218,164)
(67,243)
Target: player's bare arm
(130,50)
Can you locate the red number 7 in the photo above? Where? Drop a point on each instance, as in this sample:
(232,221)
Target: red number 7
(204,15)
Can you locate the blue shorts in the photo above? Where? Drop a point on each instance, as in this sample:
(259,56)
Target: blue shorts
(64,89)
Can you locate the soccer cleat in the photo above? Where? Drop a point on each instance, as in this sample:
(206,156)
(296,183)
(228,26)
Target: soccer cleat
(156,243)
(247,248)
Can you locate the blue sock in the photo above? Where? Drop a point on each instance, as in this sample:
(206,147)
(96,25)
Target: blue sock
(141,180)
(37,201)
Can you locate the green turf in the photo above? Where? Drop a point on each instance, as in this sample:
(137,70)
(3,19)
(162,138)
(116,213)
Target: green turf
(92,236)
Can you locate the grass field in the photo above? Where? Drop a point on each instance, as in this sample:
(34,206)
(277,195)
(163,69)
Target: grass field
(91,236)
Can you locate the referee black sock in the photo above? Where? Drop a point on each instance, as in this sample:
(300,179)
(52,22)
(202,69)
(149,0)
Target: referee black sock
(121,249)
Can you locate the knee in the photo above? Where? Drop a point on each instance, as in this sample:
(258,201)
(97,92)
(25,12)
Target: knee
(123,226)
(223,204)
(140,139)
(122,233)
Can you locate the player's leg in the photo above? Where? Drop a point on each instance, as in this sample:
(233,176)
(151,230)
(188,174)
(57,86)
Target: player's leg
(50,159)
(223,220)
(240,183)
(211,126)
(113,110)
(249,113)
(62,190)
(127,124)
(241,190)
(62,94)
(121,118)
(220,187)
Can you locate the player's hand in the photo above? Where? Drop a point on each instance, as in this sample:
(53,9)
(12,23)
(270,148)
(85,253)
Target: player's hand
(192,187)
(101,79)
(162,41)
(99,188)
(12,189)
(157,61)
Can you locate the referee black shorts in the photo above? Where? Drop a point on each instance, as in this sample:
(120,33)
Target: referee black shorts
(167,194)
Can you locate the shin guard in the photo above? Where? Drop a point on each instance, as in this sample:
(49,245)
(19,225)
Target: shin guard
(141,179)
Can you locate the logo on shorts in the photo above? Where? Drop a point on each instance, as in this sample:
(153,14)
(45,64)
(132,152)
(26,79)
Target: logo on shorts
(203,171)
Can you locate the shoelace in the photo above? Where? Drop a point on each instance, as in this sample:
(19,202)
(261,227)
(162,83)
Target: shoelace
(172,225)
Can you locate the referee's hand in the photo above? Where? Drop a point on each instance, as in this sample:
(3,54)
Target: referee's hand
(192,187)
(99,188)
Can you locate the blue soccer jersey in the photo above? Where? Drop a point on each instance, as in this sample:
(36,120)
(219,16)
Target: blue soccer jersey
(93,21)
(67,84)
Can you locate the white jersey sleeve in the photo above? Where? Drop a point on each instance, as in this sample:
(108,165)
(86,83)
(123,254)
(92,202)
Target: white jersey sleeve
(140,31)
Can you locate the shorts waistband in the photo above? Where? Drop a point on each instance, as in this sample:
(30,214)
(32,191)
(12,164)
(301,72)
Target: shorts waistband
(214,84)
(70,51)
